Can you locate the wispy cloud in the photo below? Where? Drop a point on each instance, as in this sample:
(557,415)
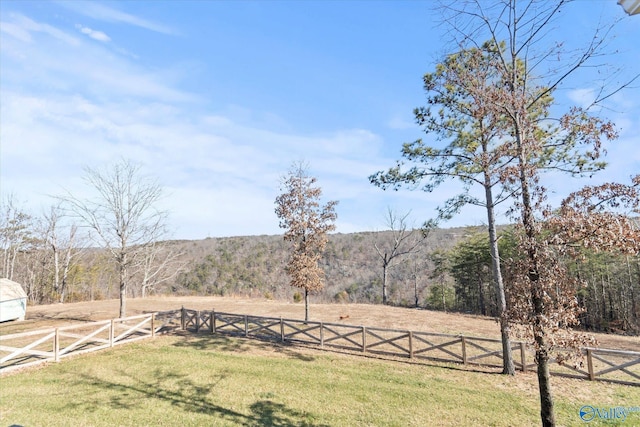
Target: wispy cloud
(105,13)
(21,27)
(221,170)
(78,66)
(73,97)
(16,31)
(219,174)
(96,35)
(582,97)
(400,122)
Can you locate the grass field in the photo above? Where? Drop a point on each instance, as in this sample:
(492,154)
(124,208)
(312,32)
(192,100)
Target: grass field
(218,381)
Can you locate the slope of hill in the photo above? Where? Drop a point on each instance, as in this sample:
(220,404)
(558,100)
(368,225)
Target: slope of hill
(254,266)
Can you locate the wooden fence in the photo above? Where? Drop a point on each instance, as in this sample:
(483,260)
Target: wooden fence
(601,364)
(29,348)
(45,345)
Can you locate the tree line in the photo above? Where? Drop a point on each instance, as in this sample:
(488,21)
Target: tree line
(91,247)
(607,291)
(450,270)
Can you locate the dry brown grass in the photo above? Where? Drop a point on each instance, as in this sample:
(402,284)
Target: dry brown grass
(353,314)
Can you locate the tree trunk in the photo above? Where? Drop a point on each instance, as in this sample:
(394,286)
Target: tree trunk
(542,356)
(123,287)
(508,366)
(123,300)
(385,298)
(529,223)
(544,386)
(632,298)
(14,255)
(544,379)
(306,305)
(56,269)
(65,273)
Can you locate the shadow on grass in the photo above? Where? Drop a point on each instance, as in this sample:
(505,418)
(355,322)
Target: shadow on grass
(40,316)
(183,393)
(422,361)
(238,344)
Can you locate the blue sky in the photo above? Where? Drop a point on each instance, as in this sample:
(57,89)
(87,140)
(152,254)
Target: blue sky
(217,99)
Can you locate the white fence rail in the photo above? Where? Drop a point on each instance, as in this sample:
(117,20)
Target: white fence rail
(50,345)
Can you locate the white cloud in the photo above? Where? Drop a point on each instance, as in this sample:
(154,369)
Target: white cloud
(68,102)
(582,97)
(20,27)
(15,31)
(81,67)
(107,14)
(222,176)
(400,122)
(96,35)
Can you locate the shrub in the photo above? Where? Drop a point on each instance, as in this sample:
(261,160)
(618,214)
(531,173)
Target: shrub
(297,297)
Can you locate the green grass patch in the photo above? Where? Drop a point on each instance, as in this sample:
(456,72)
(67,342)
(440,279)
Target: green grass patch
(219,381)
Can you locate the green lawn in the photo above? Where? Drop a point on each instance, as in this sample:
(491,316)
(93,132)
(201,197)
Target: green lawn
(217,381)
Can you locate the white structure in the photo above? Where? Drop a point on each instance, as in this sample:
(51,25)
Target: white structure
(632,7)
(13,301)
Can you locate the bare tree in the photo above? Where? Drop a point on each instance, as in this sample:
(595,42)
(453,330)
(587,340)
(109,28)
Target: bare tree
(418,265)
(122,215)
(64,250)
(402,242)
(307,224)
(157,264)
(16,229)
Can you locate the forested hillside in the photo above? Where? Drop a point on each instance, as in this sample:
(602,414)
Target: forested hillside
(254,266)
(451,271)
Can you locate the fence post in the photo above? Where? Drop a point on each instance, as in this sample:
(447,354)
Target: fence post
(153,325)
(182,318)
(197,321)
(246,326)
(215,329)
(364,339)
(464,349)
(56,346)
(211,320)
(592,375)
(281,330)
(523,357)
(410,345)
(321,334)
(112,333)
